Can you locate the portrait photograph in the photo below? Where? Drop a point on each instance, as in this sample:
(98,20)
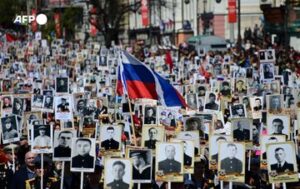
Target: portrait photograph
(41,136)
(6,105)
(62,144)
(212,103)
(257,105)
(270,55)
(10,129)
(278,125)
(118,173)
(240,86)
(18,106)
(48,102)
(264,140)
(225,88)
(88,125)
(282,164)
(238,111)
(63,107)
(81,105)
(168,116)
(150,115)
(274,103)
(231,161)
(110,137)
(219,125)
(141,165)
(37,102)
(188,154)
(267,72)
(151,135)
(169,162)
(262,56)
(242,129)
(193,136)
(62,85)
(83,155)
(214,142)
(192,101)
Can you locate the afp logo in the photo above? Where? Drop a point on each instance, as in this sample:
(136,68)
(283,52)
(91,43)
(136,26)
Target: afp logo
(40,19)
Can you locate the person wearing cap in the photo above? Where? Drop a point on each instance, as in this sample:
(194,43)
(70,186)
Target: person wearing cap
(26,172)
(42,141)
(63,106)
(63,149)
(83,159)
(212,105)
(169,165)
(141,166)
(110,143)
(48,180)
(9,130)
(17,107)
(118,171)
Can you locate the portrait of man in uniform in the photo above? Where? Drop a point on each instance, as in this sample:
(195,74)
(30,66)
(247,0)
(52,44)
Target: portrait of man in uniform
(142,164)
(278,125)
(62,85)
(112,141)
(150,115)
(64,139)
(241,129)
(170,164)
(41,137)
(118,173)
(152,133)
(211,102)
(83,157)
(282,165)
(9,128)
(231,164)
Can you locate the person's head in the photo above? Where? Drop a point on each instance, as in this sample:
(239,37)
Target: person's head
(18,104)
(83,146)
(61,82)
(6,100)
(170,151)
(232,149)
(277,125)
(8,124)
(280,154)
(110,131)
(246,100)
(139,158)
(150,112)
(29,159)
(193,124)
(275,101)
(152,133)
(240,83)
(257,102)
(221,139)
(240,110)
(42,130)
(48,99)
(64,138)
(212,97)
(118,170)
(225,85)
(267,68)
(80,104)
(239,125)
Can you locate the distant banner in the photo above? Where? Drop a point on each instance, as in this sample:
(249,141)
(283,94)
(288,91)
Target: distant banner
(57,25)
(145,13)
(34,26)
(232,11)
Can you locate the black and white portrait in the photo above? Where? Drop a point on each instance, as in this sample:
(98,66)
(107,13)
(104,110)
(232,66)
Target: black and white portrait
(118,173)
(150,115)
(256,103)
(274,103)
(141,165)
(80,106)
(262,56)
(281,158)
(192,101)
(214,142)
(63,107)
(188,154)
(169,158)
(269,139)
(212,103)
(10,129)
(190,136)
(270,55)
(151,135)
(37,102)
(225,88)
(231,158)
(83,155)
(48,103)
(18,105)
(62,85)
(278,125)
(238,111)
(63,144)
(6,103)
(267,71)
(110,137)
(242,129)
(42,138)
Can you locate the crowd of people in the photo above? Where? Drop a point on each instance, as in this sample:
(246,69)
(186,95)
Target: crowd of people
(62,118)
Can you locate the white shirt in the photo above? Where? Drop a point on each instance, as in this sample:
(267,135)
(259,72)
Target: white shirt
(42,141)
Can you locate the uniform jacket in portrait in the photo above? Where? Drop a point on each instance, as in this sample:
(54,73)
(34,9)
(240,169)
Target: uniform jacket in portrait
(10,134)
(233,165)
(110,144)
(169,166)
(241,135)
(150,143)
(61,151)
(118,184)
(83,161)
(284,168)
(143,174)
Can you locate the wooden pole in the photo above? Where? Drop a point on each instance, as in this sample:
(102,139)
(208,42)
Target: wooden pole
(42,168)
(62,175)
(249,160)
(132,123)
(230,185)
(81,180)
(13,156)
(169,185)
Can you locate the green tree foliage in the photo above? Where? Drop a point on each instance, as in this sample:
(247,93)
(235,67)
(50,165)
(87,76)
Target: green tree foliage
(70,17)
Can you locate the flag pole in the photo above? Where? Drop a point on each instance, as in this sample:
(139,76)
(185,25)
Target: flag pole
(132,123)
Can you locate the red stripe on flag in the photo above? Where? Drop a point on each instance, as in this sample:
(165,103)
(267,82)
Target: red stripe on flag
(119,88)
(138,89)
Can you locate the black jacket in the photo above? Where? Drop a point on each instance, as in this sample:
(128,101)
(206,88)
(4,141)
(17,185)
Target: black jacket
(110,144)
(169,166)
(286,167)
(83,161)
(118,185)
(61,151)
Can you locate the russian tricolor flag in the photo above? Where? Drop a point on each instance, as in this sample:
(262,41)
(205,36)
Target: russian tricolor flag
(138,81)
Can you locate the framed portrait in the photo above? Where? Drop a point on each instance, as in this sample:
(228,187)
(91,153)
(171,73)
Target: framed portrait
(62,144)
(212,102)
(189,154)
(110,137)
(10,129)
(264,140)
(278,125)
(219,124)
(274,103)
(200,90)
(6,105)
(168,116)
(37,102)
(67,124)
(231,161)
(169,162)
(48,102)
(141,164)
(262,56)
(282,165)
(270,55)
(240,86)
(150,115)
(242,130)
(41,136)
(88,126)
(225,88)
(267,71)
(83,155)
(214,141)
(62,85)
(63,107)
(193,136)
(118,173)
(275,87)
(192,101)
(238,111)
(151,135)
(18,106)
